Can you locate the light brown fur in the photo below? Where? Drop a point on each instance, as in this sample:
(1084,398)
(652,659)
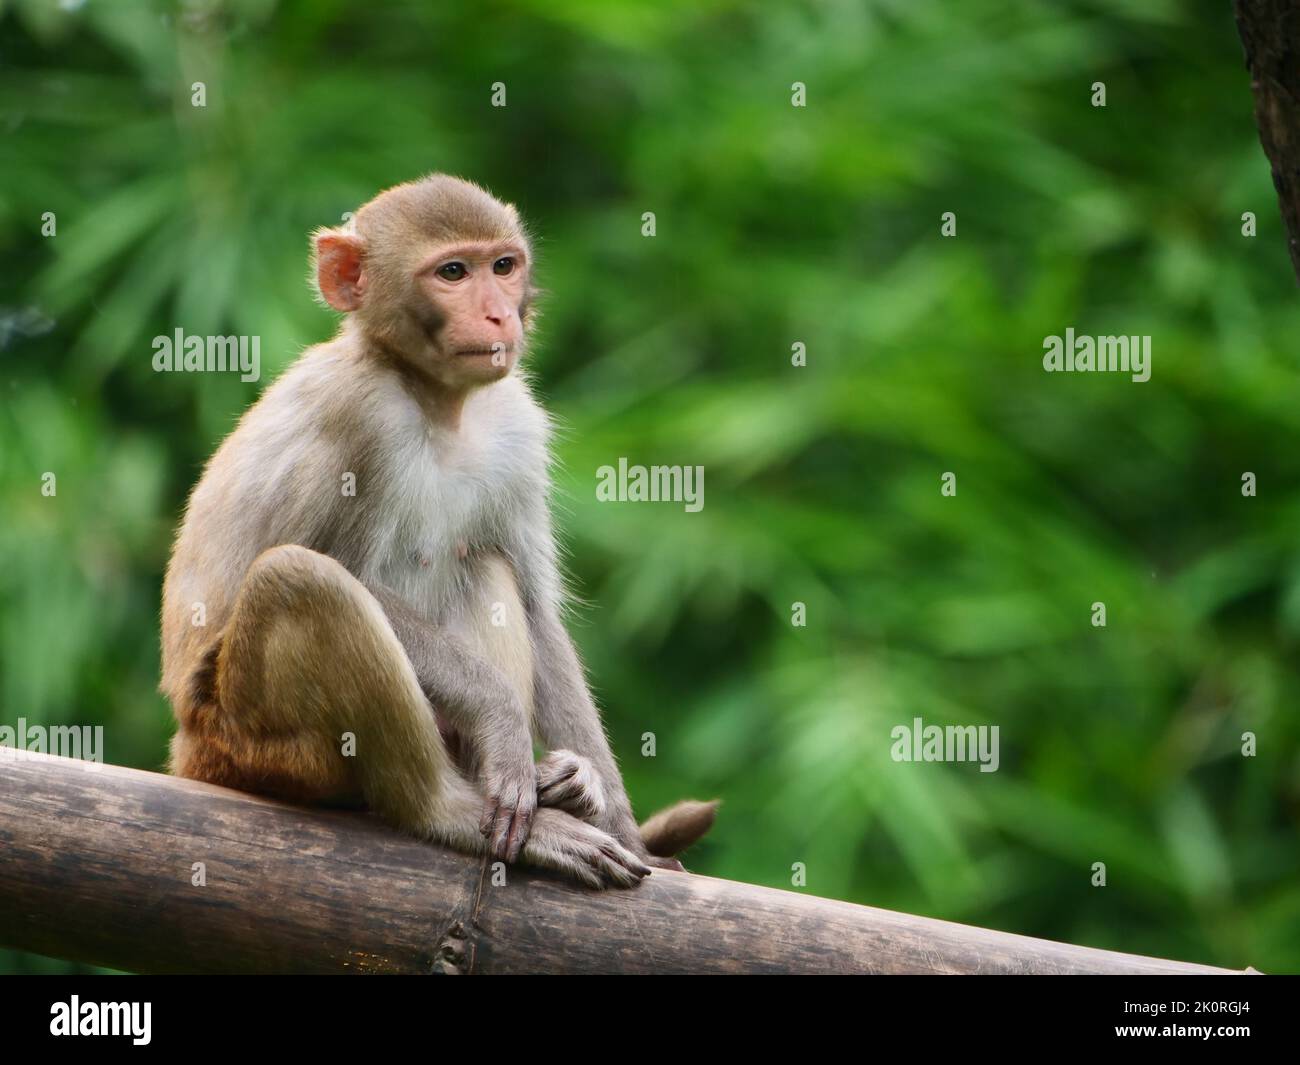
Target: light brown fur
(415,617)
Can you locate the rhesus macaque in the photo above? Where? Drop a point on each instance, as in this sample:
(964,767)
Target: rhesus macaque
(368,560)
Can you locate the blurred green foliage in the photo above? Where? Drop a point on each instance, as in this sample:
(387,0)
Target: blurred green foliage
(776,224)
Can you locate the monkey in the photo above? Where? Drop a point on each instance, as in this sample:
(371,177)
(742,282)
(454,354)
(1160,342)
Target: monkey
(364,602)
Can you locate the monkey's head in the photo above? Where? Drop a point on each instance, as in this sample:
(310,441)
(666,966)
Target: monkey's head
(437,271)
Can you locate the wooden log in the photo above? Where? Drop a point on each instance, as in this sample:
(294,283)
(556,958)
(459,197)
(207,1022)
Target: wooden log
(97,864)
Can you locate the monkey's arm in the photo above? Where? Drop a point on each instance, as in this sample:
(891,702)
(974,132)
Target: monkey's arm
(564,712)
(482,706)
(567,718)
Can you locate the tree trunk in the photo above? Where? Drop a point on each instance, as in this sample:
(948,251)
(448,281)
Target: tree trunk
(1270,34)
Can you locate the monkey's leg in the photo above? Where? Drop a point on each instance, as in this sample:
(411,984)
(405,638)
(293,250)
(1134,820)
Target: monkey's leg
(482,706)
(309,658)
(307,666)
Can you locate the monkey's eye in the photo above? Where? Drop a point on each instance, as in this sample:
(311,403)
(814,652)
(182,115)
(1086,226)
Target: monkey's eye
(504,266)
(452,271)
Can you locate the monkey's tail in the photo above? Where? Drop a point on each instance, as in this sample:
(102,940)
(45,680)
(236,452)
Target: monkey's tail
(672,830)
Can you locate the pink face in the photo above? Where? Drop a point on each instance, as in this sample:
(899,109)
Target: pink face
(459,322)
(477,290)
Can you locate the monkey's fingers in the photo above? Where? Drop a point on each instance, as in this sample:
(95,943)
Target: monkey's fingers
(576,796)
(554,777)
(561,842)
(499,832)
(570,782)
(619,866)
(556,766)
(509,821)
(603,866)
(520,826)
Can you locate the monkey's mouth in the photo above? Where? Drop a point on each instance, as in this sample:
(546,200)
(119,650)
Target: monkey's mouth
(486,351)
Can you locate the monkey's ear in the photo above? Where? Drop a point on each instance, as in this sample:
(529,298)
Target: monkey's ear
(339,260)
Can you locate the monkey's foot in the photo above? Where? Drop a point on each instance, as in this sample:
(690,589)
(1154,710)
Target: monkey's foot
(561,842)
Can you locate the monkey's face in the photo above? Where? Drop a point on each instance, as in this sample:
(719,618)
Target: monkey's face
(437,271)
(470,300)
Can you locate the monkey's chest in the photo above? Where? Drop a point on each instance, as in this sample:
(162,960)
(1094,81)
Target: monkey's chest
(431,522)
(443,560)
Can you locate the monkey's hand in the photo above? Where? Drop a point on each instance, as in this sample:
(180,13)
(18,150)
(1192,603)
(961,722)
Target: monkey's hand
(510,784)
(561,842)
(570,782)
